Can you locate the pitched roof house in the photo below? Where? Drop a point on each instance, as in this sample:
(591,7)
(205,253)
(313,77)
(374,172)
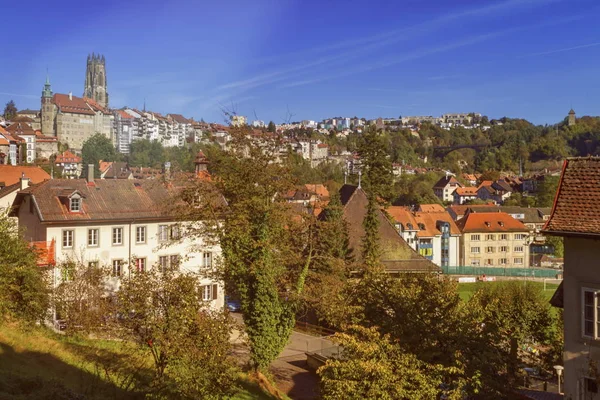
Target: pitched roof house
(493,239)
(397,255)
(576,217)
(434,235)
(445,187)
(119,223)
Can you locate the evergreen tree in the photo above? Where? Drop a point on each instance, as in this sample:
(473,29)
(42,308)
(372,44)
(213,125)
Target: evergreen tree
(271,128)
(376,165)
(333,238)
(10,110)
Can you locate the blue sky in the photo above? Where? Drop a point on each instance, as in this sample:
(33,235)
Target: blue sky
(314,59)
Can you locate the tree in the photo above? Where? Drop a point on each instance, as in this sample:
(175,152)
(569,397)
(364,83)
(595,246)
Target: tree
(558,243)
(164,314)
(80,298)
(267,246)
(271,127)
(373,367)
(24,291)
(97,147)
(10,110)
(546,191)
(376,166)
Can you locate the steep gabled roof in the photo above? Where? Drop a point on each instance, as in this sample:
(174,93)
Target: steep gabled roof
(397,255)
(576,210)
(444,181)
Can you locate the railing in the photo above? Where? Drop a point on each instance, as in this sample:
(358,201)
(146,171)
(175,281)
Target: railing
(502,271)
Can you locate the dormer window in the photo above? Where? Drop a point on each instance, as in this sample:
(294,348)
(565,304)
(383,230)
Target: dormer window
(75,204)
(487,224)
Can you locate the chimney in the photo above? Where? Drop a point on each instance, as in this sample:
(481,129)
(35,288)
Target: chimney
(90,174)
(24,182)
(70,95)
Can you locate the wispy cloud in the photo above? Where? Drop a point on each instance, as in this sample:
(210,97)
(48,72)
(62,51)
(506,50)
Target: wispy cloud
(358,48)
(543,53)
(29,96)
(420,53)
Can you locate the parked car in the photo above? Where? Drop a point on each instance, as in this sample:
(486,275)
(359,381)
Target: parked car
(232,304)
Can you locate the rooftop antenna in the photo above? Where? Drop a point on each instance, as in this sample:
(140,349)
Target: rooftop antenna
(144,104)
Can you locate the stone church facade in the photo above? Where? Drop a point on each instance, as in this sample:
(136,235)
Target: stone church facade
(74,119)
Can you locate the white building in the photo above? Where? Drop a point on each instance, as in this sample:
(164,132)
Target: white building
(83,221)
(126,129)
(434,235)
(258,123)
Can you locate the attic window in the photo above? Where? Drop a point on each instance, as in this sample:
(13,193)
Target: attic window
(500,223)
(75,204)
(487,224)
(422,227)
(409,225)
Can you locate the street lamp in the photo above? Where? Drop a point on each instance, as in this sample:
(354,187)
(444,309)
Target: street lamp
(559,370)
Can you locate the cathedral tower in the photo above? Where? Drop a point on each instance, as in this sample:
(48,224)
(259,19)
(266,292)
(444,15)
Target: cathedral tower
(95,80)
(47,110)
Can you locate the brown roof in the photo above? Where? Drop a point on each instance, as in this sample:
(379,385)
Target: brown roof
(95,106)
(318,189)
(490,222)
(67,157)
(576,208)
(430,220)
(74,105)
(10,174)
(22,118)
(397,255)
(404,216)
(20,128)
(180,119)
(445,180)
(111,199)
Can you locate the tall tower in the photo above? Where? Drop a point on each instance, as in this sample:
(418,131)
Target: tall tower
(95,80)
(571,119)
(47,110)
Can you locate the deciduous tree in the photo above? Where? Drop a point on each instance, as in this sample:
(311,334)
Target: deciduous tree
(96,148)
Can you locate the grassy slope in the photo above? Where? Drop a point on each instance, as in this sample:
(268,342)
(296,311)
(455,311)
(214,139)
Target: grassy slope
(466,290)
(38,363)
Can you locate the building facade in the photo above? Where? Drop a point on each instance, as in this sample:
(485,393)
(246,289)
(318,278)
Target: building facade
(85,223)
(577,219)
(493,240)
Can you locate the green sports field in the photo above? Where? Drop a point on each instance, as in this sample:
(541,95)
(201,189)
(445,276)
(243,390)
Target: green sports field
(466,290)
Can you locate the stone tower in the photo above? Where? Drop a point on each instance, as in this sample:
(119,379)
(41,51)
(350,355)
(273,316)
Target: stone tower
(47,110)
(95,80)
(572,119)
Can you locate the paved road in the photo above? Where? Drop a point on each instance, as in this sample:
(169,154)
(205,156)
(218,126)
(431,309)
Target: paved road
(290,371)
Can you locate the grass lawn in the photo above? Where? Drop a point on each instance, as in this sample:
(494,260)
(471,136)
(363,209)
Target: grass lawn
(466,290)
(38,363)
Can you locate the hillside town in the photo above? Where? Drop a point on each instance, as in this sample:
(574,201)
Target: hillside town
(417,257)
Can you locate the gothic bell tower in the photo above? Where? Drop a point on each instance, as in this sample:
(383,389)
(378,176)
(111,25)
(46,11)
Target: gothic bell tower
(95,80)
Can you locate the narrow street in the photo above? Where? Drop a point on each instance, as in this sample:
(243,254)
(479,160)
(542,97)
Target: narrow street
(290,371)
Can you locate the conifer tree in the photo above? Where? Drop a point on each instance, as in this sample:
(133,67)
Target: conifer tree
(376,165)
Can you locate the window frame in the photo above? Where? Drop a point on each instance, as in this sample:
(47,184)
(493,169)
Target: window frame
(90,230)
(65,232)
(475,237)
(503,236)
(476,252)
(595,313)
(163,233)
(137,234)
(210,259)
(71,202)
(114,230)
(144,263)
(518,260)
(120,269)
(519,249)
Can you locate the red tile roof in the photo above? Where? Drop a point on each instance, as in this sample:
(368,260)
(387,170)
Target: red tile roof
(10,174)
(431,208)
(67,157)
(466,191)
(404,216)
(429,220)
(20,128)
(125,115)
(74,105)
(576,208)
(490,222)
(180,119)
(317,188)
